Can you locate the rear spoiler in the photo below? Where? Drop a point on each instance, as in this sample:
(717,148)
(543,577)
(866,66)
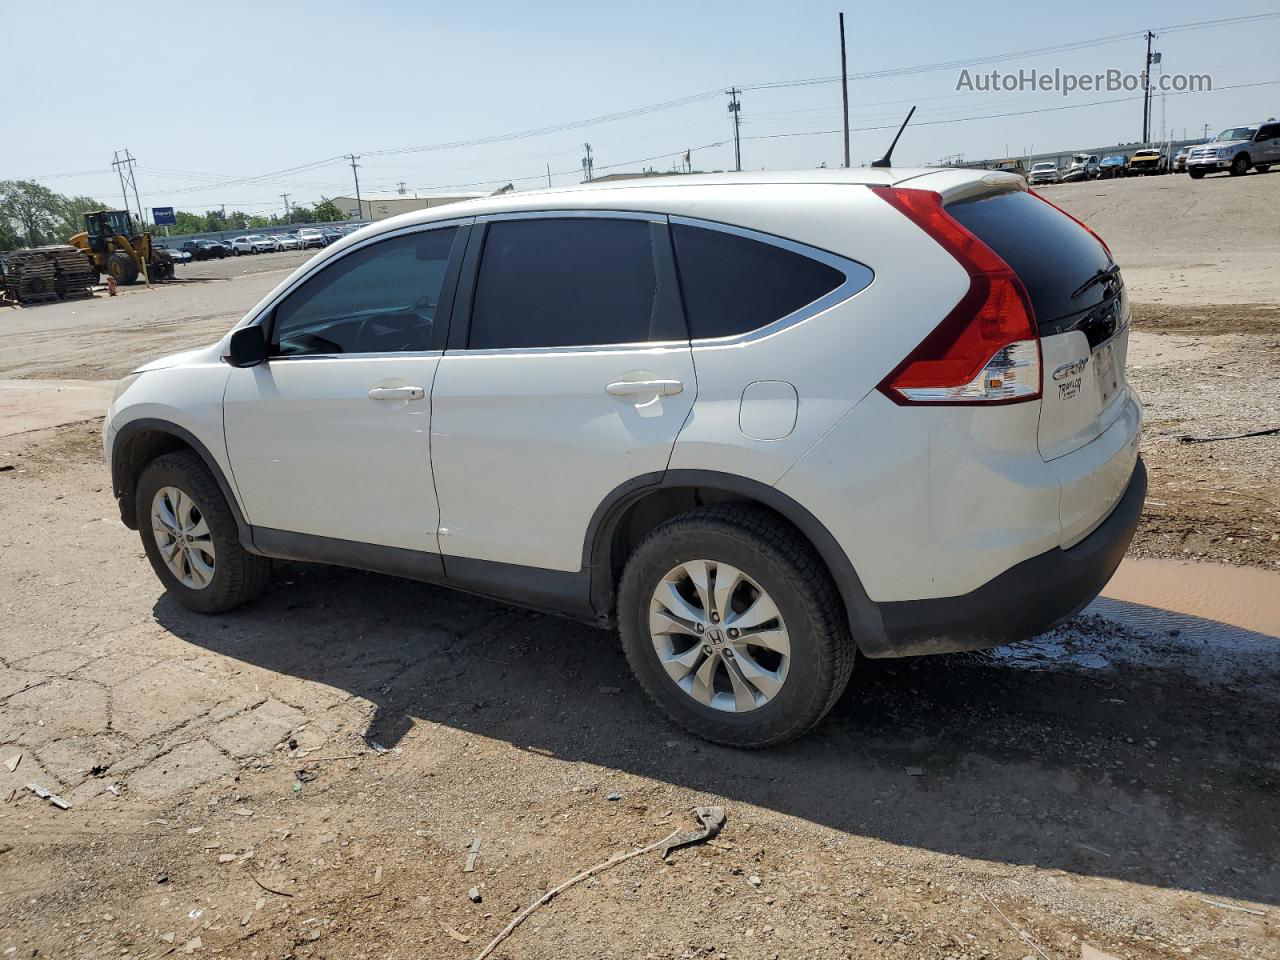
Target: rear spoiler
(957,184)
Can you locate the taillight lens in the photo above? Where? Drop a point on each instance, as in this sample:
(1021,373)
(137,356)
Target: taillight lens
(987,349)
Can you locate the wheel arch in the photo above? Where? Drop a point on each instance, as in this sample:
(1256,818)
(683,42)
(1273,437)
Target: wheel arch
(141,441)
(636,507)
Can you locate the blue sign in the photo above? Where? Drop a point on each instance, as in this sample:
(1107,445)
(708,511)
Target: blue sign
(163,216)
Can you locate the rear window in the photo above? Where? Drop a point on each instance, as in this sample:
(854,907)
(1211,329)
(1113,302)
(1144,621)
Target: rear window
(733,284)
(1052,254)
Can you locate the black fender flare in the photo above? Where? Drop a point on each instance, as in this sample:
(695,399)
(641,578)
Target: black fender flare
(865,620)
(122,484)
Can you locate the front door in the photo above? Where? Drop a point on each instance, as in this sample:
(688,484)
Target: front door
(576,377)
(331,436)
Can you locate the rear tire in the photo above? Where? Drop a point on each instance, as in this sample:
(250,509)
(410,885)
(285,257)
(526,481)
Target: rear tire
(237,576)
(779,565)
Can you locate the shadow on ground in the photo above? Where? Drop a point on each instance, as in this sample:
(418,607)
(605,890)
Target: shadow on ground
(1142,773)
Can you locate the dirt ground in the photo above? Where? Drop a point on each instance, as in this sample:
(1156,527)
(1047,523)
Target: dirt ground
(303,778)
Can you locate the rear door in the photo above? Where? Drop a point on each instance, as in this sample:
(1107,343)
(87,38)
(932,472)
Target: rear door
(1080,305)
(573,377)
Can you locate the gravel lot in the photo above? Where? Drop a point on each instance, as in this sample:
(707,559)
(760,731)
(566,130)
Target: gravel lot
(303,777)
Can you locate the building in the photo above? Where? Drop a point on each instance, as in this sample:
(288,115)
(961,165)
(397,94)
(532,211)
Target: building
(381,206)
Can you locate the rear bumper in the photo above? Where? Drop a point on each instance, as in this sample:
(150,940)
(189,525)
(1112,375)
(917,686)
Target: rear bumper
(1027,599)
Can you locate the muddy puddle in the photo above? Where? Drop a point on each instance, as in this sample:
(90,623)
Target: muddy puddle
(1216,623)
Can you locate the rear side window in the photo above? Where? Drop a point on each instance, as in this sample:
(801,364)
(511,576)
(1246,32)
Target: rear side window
(1052,254)
(734,284)
(574,281)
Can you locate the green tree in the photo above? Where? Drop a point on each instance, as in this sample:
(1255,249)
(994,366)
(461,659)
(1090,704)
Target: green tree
(188,223)
(69,215)
(30,209)
(326,211)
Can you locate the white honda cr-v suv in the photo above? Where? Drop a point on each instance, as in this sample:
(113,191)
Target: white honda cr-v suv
(758,422)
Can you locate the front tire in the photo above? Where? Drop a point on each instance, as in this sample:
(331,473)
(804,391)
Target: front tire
(190,536)
(1195,174)
(1240,165)
(733,626)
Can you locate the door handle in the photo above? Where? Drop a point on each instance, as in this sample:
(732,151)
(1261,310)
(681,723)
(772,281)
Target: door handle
(644,388)
(397,393)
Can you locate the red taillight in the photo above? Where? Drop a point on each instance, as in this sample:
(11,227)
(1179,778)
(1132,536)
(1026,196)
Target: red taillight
(1074,220)
(986,350)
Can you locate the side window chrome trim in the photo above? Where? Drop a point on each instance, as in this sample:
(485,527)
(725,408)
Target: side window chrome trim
(634,347)
(260,317)
(648,217)
(393,355)
(857,277)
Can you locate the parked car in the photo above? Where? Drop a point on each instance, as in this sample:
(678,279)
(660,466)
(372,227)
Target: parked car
(287,241)
(251,243)
(1113,166)
(1180,160)
(1147,161)
(1046,172)
(177,255)
(1236,149)
(682,410)
(204,249)
(331,235)
(1084,166)
(310,237)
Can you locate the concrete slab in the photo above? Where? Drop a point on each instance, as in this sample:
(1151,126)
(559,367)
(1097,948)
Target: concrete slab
(185,767)
(256,732)
(27,405)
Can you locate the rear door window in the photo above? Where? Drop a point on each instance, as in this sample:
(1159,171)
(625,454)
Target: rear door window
(1051,253)
(733,284)
(574,281)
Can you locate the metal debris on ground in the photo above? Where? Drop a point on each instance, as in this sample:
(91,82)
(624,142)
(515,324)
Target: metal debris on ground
(44,794)
(614,796)
(460,937)
(473,854)
(1265,432)
(1232,906)
(474,895)
(712,820)
(915,771)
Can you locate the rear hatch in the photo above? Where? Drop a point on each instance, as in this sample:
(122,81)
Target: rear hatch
(1081,310)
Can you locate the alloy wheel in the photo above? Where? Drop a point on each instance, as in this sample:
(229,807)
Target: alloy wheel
(719,636)
(183,537)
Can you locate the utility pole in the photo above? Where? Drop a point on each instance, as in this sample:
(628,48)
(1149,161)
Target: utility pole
(548,174)
(1146,90)
(1206,131)
(844,91)
(354,167)
(588,164)
(403,190)
(735,108)
(285,198)
(124,167)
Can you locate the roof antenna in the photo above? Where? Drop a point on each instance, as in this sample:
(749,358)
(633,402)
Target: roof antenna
(887,159)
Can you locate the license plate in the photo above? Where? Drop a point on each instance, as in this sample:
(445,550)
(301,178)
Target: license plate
(1104,372)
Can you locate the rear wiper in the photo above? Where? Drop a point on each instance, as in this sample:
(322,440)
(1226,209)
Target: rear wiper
(1101,276)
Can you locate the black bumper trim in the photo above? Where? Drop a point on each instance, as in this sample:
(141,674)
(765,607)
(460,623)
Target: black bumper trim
(1036,595)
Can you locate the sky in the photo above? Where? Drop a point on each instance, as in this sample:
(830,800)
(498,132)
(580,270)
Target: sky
(239,102)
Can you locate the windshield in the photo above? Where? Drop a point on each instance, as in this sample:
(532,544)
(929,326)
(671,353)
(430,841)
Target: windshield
(1043,166)
(1236,133)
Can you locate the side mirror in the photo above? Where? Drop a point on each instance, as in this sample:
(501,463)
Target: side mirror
(248,347)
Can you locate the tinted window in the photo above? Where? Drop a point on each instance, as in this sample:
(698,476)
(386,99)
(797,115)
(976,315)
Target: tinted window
(732,284)
(574,281)
(1051,253)
(378,299)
